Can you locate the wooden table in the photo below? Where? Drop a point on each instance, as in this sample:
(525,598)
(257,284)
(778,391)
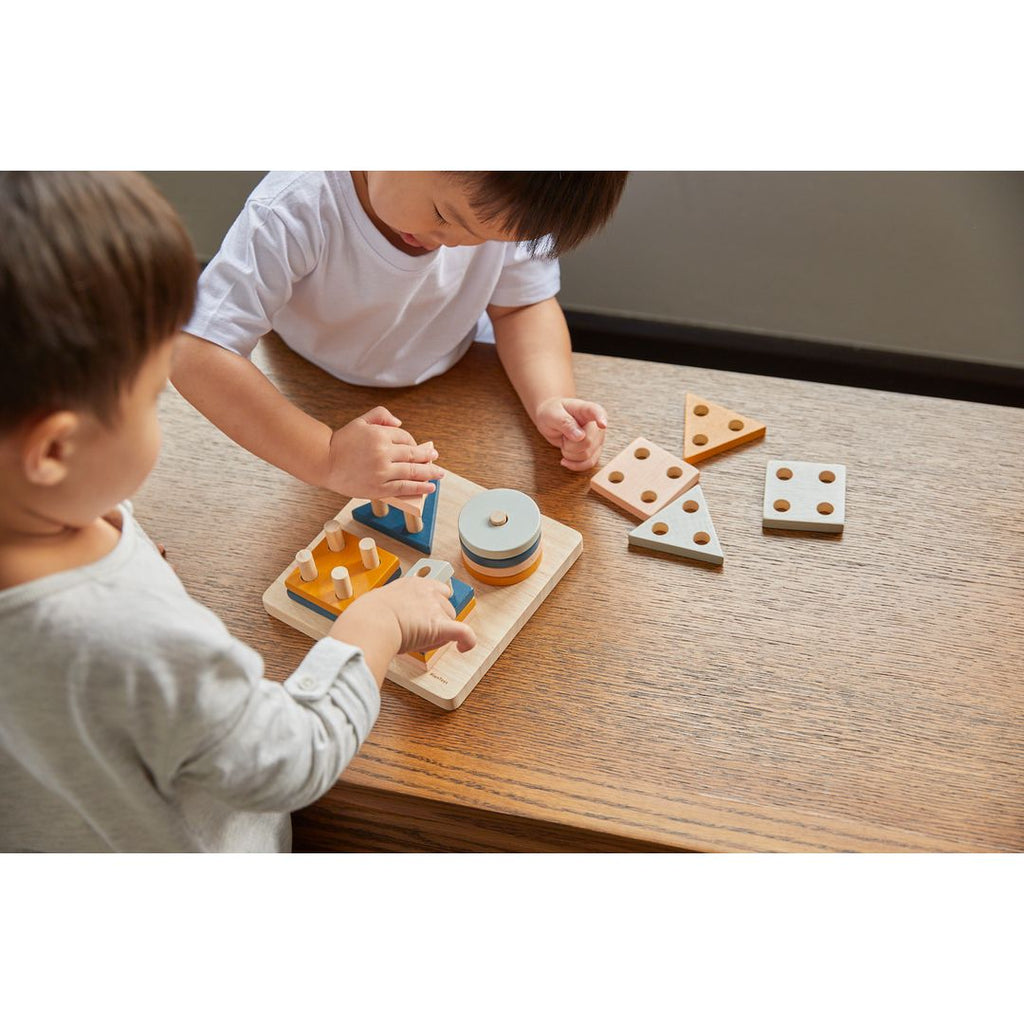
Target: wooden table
(816,693)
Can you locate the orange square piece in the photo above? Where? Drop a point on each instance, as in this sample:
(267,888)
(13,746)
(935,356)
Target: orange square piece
(320,592)
(644,478)
(709,429)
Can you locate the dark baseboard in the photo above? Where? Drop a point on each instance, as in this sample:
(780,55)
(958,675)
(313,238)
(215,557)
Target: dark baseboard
(771,356)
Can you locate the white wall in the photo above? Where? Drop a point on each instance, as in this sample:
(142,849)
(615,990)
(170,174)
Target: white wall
(918,262)
(915,262)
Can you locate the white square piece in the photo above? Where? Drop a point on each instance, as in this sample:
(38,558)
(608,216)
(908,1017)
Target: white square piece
(804,496)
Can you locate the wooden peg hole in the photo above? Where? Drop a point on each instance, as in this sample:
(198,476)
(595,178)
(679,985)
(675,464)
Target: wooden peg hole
(642,453)
(783,473)
(660,529)
(690,506)
(701,538)
(735,424)
(700,439)
(700,410)
(825,509)
(424,570)
(649,496)
(781,505)
(615,477)
(674,472)
(826,476)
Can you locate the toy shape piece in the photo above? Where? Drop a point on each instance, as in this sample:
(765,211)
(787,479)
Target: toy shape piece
(709,429)
(463,600)
(643,478)
(339,576)
(395,524)
(683,527)
(804,496)
(432,569)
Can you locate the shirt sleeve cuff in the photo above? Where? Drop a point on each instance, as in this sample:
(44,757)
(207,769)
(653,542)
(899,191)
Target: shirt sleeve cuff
(337,671)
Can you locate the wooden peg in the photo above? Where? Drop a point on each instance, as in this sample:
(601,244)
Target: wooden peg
(413,523)
(379,508)
(307,567)
(332,531)
(342,583)
(497,518)
(368,553)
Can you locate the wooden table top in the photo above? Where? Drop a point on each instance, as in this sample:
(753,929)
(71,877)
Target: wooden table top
(815,693)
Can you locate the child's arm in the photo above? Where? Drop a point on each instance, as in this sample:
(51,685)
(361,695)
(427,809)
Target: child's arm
(278,748)
(534,348)
(370,457)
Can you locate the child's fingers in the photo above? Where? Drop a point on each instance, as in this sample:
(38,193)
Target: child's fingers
(406,488)
(589,412)
(382,417)
(463,635)
(414,453)
(581,465)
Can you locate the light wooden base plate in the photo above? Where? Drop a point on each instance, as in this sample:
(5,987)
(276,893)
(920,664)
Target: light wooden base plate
(499,615)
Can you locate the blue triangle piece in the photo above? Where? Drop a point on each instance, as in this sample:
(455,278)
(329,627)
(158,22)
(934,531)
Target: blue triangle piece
(393,524)
(462,594)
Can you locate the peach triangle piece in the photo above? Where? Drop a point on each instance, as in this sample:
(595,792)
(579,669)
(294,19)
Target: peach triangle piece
(709,429)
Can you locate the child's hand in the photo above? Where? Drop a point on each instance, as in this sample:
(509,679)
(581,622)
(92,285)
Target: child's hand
(576,427)
(371,457)
(411,614)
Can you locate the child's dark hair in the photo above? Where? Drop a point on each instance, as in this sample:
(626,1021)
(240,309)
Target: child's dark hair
(96,271)
(567,205)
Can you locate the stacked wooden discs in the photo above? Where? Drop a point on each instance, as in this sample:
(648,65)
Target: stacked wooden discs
(500,535)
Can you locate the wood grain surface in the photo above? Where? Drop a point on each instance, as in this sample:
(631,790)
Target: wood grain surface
(815,693)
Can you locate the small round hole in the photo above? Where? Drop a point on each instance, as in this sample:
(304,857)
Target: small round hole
(615,477)
(674,472)
(642,453)
(701,538)
(826,476)
(660,529)
(783,473)
(825,509)
(649,496)
(700,410)
(424,571)
(700,439)
(735,424)
(781,505)
(690,506)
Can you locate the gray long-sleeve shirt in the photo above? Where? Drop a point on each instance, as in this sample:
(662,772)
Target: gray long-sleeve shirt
(130,719)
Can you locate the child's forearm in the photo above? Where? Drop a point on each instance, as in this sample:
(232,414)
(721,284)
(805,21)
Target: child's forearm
(235,396)
(534,348)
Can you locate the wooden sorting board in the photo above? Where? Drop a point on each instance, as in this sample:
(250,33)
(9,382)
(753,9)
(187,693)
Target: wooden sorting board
(499,614)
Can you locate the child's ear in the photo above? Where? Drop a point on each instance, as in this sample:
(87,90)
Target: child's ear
(47,448)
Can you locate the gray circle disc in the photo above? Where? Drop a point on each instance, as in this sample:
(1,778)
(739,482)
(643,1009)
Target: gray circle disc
(511,538)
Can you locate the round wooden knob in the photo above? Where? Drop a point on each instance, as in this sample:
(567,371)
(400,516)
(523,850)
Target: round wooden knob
(498,518)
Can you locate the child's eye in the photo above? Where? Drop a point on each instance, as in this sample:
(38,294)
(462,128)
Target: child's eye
(437,214)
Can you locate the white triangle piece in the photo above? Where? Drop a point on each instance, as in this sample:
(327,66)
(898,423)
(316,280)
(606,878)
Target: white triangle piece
(683,527)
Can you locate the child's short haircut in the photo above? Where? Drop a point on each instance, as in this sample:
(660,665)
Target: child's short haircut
(96,271)
(567,205)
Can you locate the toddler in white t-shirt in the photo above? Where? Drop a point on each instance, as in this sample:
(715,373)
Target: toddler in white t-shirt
(385,278)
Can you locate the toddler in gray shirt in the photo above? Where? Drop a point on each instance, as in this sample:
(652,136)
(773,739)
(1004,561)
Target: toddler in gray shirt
(130,719)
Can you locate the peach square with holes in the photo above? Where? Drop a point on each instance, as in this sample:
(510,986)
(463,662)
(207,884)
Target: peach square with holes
(644,478)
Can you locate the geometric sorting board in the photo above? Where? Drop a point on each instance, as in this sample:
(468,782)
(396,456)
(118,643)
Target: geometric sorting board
(709,429)
(499,614)
(683,527)
(643,478)
(804,496)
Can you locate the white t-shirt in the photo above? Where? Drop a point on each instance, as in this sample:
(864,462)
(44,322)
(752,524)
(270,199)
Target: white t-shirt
(130,719)
(304,259)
